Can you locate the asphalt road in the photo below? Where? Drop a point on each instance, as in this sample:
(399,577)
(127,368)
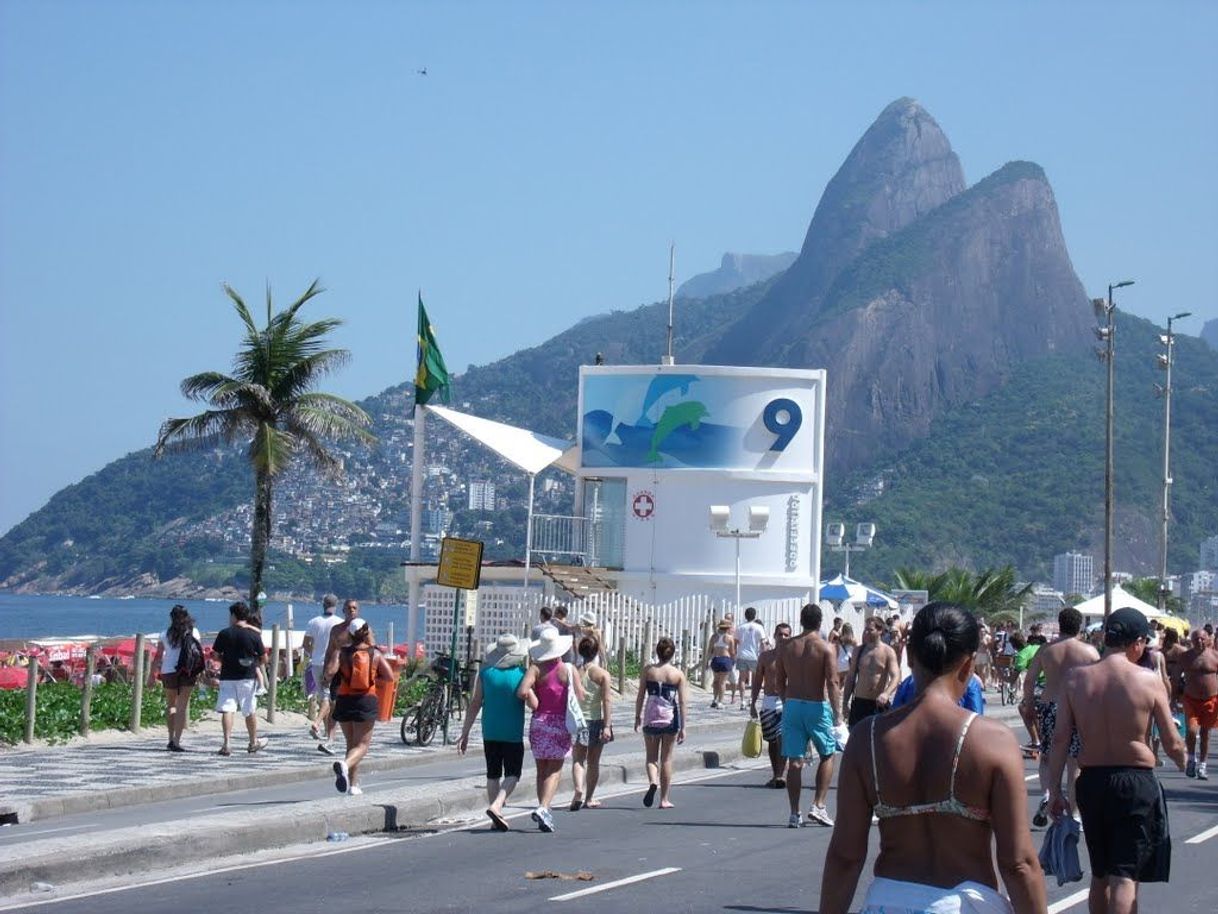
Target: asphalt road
(725,847)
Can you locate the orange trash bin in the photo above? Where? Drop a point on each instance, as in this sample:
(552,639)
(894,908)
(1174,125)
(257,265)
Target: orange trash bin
(387,691)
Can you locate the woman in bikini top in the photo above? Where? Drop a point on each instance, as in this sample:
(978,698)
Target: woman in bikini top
(946,786)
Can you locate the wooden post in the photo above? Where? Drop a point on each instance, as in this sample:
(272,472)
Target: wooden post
(86,696)
(390,637)
(685,652)
(621,665)
(31,699)
(272,686)
(648,641)
(137,692)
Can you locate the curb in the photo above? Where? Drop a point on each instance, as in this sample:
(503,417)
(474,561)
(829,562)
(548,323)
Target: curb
(126,851)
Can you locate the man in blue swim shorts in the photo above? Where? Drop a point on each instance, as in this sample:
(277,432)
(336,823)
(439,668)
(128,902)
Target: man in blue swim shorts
(806,679)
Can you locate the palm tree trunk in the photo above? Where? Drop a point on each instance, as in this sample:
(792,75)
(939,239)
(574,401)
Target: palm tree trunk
(260,535)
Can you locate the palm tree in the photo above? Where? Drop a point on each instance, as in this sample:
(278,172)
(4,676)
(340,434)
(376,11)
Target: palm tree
(269,402)
(992,593)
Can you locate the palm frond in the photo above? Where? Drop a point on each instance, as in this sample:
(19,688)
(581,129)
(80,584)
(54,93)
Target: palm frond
(197,432)
(271,449)
(242,311)
(305,372)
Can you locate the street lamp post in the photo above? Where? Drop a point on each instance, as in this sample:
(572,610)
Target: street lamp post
(835,540)
(759,517)
(1165,362)
(1108,334)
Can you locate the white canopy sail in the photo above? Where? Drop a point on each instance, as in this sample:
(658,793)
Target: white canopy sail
(530,451)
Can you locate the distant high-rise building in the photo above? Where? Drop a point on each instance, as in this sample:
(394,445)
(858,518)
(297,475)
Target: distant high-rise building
(482,496)
(1073,572)
(1209,554)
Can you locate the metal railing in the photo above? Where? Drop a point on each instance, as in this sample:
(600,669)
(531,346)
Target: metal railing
(562,535)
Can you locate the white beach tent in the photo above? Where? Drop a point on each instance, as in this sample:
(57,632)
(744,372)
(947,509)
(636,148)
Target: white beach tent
(530,451)
(1120,599)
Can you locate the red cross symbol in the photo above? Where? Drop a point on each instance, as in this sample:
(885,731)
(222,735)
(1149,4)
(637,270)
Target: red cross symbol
(644,505)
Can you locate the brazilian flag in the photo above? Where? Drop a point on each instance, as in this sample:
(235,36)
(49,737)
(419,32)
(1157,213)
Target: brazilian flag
(432,375)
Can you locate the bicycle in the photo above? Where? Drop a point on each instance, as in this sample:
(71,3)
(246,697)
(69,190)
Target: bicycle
(442,699)
(1008,679)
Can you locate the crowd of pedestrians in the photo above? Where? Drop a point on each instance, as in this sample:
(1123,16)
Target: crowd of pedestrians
(943,783)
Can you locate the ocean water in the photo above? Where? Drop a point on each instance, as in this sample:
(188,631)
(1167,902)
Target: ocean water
(26,616)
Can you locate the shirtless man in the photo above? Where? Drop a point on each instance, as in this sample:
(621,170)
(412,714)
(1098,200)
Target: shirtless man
(1199,672)
(329,676)
(771,705)
(805,678)
(873,676)
(1055,661)
(1173,652)
(1124,814)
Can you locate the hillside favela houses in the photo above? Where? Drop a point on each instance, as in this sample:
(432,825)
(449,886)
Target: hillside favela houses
(695,487)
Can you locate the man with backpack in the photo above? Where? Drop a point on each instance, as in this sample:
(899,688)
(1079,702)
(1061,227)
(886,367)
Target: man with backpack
(360,665)
(240,651)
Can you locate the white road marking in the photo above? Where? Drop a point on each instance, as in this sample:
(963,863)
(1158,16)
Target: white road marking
(1068,902)
(44,831)
(617,882)
(362,843)
(1204,836)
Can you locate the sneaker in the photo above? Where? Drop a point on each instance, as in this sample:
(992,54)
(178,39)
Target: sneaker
(820,816)
(1202,774)
(650,796)
(1190,770)
(794,820)
(544,820)
(354,791)
(1041,819)
(340,776)
(324,748)
(714,704)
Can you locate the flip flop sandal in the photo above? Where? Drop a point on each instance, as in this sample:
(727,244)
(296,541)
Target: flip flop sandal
(576,805)
(225,752)
(592,804)
(650,796)
(261,744)
(497,821)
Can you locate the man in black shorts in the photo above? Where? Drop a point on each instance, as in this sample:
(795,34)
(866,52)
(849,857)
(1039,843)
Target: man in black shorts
(1112,703)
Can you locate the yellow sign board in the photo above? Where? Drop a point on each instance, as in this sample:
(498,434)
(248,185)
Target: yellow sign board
(460,563)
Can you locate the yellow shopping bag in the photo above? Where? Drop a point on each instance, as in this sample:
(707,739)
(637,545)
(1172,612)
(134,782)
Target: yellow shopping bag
(750,746)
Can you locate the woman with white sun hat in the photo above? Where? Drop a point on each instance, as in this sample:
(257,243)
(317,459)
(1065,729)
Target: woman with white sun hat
(544,689)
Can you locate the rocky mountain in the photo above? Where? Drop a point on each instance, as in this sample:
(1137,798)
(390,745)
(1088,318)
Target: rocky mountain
(962,399)
(1209,333)
(735,272)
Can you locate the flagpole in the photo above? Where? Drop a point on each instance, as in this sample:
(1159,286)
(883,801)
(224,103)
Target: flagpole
(417,461)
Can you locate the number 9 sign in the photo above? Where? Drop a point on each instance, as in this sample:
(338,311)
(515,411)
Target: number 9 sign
(782,417)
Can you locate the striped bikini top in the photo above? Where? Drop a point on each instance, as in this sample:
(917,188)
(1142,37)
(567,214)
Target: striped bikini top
(950,806)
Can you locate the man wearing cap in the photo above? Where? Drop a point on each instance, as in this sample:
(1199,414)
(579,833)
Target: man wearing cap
(317,636)
(1199,673)
(1112,703)
(502,722)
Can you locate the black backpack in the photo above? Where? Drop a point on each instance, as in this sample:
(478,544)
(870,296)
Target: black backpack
(190,658)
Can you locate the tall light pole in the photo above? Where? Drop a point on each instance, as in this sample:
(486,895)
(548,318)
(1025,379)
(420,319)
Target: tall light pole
(1165,360)
(835,540)
(1108,334)
(759,517)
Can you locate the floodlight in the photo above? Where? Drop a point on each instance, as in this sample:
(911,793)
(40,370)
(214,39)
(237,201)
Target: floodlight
(719,515)
(1122,284)
(834,534)
(1163,338)
(759,516)
(864,534)
(1162,360)
(1101,333)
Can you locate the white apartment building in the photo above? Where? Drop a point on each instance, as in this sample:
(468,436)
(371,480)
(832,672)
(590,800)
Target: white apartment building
(481,496)
(1073,572)
(1209,554)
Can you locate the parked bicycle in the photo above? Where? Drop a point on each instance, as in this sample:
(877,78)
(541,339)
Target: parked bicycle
(442,699)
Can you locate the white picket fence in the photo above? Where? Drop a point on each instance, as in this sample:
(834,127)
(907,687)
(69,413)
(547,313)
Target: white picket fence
(688,621)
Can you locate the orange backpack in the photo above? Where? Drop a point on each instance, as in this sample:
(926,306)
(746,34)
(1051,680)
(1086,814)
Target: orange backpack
(358,670)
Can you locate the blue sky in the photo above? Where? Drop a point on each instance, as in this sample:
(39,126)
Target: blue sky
(151,150)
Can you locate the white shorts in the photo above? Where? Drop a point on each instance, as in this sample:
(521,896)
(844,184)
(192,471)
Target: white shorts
(237,695)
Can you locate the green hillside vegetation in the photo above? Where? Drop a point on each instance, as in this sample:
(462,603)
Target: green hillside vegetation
(1018,476)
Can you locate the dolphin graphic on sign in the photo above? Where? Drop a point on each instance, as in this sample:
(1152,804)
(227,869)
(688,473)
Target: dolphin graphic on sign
(690,413)
(661,385)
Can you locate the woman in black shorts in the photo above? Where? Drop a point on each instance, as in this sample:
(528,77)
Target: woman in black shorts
(360,665)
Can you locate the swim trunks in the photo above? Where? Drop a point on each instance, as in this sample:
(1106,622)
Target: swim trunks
(771,718)
(861,709)
(746,664)
(804,720)
(1203,711)
(1046,716)
(1124,822)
